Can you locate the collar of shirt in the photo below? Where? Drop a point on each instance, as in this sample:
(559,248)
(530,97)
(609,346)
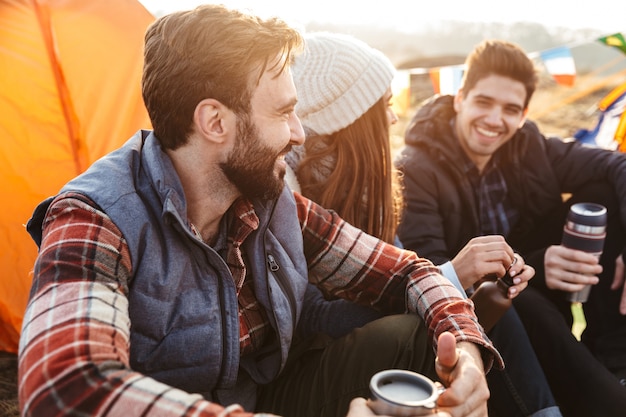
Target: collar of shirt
(490,191)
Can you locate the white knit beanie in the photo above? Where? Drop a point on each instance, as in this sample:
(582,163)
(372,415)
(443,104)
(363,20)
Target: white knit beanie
(338,78)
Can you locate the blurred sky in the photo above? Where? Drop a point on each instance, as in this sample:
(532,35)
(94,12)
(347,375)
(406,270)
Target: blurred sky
(608,16)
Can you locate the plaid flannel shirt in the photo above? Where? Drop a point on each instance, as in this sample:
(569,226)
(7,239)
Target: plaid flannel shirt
(74,349)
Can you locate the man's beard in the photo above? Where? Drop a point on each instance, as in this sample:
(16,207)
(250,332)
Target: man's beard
(251,164)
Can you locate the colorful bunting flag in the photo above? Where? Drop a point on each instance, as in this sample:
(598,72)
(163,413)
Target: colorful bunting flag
(616,40)
(447,80)
(560,64)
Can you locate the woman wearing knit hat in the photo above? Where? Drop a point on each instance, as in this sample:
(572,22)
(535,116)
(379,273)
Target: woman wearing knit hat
(344,104)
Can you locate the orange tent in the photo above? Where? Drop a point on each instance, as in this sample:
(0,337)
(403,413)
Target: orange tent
(70,75)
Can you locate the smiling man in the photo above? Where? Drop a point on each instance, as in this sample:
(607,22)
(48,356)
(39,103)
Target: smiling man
(174,276)
(488,115)
(473,165)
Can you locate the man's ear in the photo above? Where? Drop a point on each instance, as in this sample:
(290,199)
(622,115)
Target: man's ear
(524,116)
(458,99)
(210,119)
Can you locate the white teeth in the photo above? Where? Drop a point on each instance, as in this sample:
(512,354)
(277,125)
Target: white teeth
(485,132)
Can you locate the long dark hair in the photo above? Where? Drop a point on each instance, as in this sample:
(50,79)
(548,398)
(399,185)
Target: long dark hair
(363,187)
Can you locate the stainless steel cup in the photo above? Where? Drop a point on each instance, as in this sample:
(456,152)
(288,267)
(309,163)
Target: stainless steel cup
(401,393)
(585,230)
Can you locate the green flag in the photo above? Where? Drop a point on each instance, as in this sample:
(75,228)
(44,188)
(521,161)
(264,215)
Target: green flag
(616,40)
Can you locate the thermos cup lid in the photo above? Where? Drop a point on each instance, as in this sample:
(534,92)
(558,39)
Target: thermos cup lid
(403,393)
(589,214)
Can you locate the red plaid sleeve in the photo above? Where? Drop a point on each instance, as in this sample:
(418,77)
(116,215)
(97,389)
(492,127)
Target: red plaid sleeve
(345,262)
(74,346)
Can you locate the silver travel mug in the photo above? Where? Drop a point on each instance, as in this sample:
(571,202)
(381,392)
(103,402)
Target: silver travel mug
(401,393)
(585,230)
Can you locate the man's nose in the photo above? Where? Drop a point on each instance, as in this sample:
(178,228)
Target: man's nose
(494,115)
(297,132)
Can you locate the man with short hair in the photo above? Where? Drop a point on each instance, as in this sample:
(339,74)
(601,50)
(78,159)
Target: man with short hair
(473,166)
(173,275)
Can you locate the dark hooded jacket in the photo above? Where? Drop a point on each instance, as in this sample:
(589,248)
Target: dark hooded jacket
(441,213)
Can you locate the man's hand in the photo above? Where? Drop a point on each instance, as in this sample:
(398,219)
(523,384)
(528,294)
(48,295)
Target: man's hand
(618,282)
(491,255)
(359,408)
(570,269)
(460,368)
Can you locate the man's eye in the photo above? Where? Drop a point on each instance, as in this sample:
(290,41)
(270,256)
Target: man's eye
(512,111)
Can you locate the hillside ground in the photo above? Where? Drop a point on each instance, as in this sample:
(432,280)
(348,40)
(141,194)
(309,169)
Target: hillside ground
(8,385)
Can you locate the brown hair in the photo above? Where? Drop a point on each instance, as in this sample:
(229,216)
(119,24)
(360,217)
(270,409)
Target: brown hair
(363,187)
(500,58)
(207,52)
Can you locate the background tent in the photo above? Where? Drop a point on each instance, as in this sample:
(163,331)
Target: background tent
(70,75)
(610,131)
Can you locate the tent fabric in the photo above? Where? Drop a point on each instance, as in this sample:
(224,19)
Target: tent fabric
(610,130)
(70,74)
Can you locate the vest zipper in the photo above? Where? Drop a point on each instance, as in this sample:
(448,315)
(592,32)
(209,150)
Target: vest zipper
(282,282)
(273,265)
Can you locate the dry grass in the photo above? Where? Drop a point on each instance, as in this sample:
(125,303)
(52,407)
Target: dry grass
(561,111)
(8,385)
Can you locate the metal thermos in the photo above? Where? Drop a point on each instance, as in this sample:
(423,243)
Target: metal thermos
(491,301)
(585,230)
